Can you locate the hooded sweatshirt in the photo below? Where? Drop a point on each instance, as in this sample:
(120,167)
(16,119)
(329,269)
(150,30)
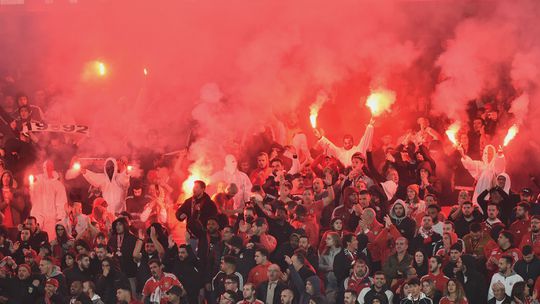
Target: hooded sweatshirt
(113,185)
(404,224)
(48,196)
(485,171)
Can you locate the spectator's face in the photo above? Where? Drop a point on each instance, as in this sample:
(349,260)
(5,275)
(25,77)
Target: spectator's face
(226,234)
(535,225)
(433,213)
(399,211)
(31,224)
(338,225)
(492,212)
(259,258)
(172,298)
(69,260)
(356,163)
(430,201)
(25,235)
(433,265)
(231,285)
(309,288)
(360,269)
(137,192)
(308,196)
(101,253)
(85,262)
(273,273)
(76,288)
(197,190)
(427,222)
(380,280)
(411,194)
(248,291)
(426,288)
(23,273)
(286,297)
(276,167)
(23,101)
(393,176)
(226,299)
(24,113)
(447,228)
(86,287)
(77,208)
(415,290)
(502,240)
(463,196)
(123,295)
(212,226)
(262,161)
(353,198)
(503,265)
(501,181)
(419,257)
(347,143)
(455,255)
(499,293)
(303,243)
(182,254)
(318,185)
(364,199)
(50,289)
(520,212)
(119,228)
(401,245)
(6,179)
(467,209)
(349,298)
(155,270)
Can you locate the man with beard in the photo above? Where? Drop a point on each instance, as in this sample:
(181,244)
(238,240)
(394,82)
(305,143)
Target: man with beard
(492,219)
(22,288)
(225,203)
(506,275)
(404,224)
(436,274)
(181,262)
(359,278)
(533,237)
(259,175)
(378,288)
(426,237)
(80,272)
(521,225)
(505,247)
(468,216)
(155,288)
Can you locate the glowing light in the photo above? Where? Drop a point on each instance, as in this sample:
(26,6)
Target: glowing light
(313,119)
(145,72)
(322,97)
(129,167)
(188,184)
(380,101)
(452,131)
(512,132)
(76,166)
(101,68)
(31,179)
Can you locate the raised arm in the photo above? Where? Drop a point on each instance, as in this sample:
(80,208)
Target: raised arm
(367,139)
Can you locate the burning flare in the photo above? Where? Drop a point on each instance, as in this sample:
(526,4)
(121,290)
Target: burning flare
(452,133)
(31,179)
(145,71)
(101,69)
(512,132)
(314,109)
(77,166)
(380,101)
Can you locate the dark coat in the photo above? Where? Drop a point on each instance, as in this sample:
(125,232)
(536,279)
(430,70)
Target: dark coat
(198,211)
(476,287)
(263,289)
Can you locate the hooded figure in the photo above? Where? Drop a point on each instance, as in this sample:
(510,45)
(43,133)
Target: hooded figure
(474,283)
(48,196)
(402,221)
(231,175)
(113,185)
(485,171)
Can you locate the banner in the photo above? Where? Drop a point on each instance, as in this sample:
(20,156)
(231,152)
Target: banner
(63,128)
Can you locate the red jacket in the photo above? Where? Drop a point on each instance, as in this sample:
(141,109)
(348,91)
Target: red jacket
(519,228)
(440,280)
(258,274)
(534,242)
(374,231)
(498,253)
(383,245)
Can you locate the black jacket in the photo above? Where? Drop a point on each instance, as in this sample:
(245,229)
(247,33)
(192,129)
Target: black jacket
(127,265)
(22,291)
(186,271)
(342,267)
(262,290)
(198,211)
(476,287)
(528,271)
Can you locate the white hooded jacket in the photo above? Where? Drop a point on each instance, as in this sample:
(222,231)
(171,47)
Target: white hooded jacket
(486,171)
(231,174)
(48,195)
(114,188)
(343,155)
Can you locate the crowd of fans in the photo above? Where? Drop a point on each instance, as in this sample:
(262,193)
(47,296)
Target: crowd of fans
(411,220)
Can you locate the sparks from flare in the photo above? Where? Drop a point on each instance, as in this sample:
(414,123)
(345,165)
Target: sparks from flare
(452,131)
(380,101)
(512,132)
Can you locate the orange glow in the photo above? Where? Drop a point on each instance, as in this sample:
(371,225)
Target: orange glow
(452,131)
(145,71)
(101,69)
(314,109)
(31,179)
(76,166)
(512,132)
(380,101)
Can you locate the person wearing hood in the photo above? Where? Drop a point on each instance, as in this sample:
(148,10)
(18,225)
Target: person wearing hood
(474,283)
(359,278)
(110,280)
(399,216)
(122,244)
(348,212)
(113,183)
(485,171)
(344,154)
(48,196)
(231,175)
(416,296)
(506,276)
(305,287)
